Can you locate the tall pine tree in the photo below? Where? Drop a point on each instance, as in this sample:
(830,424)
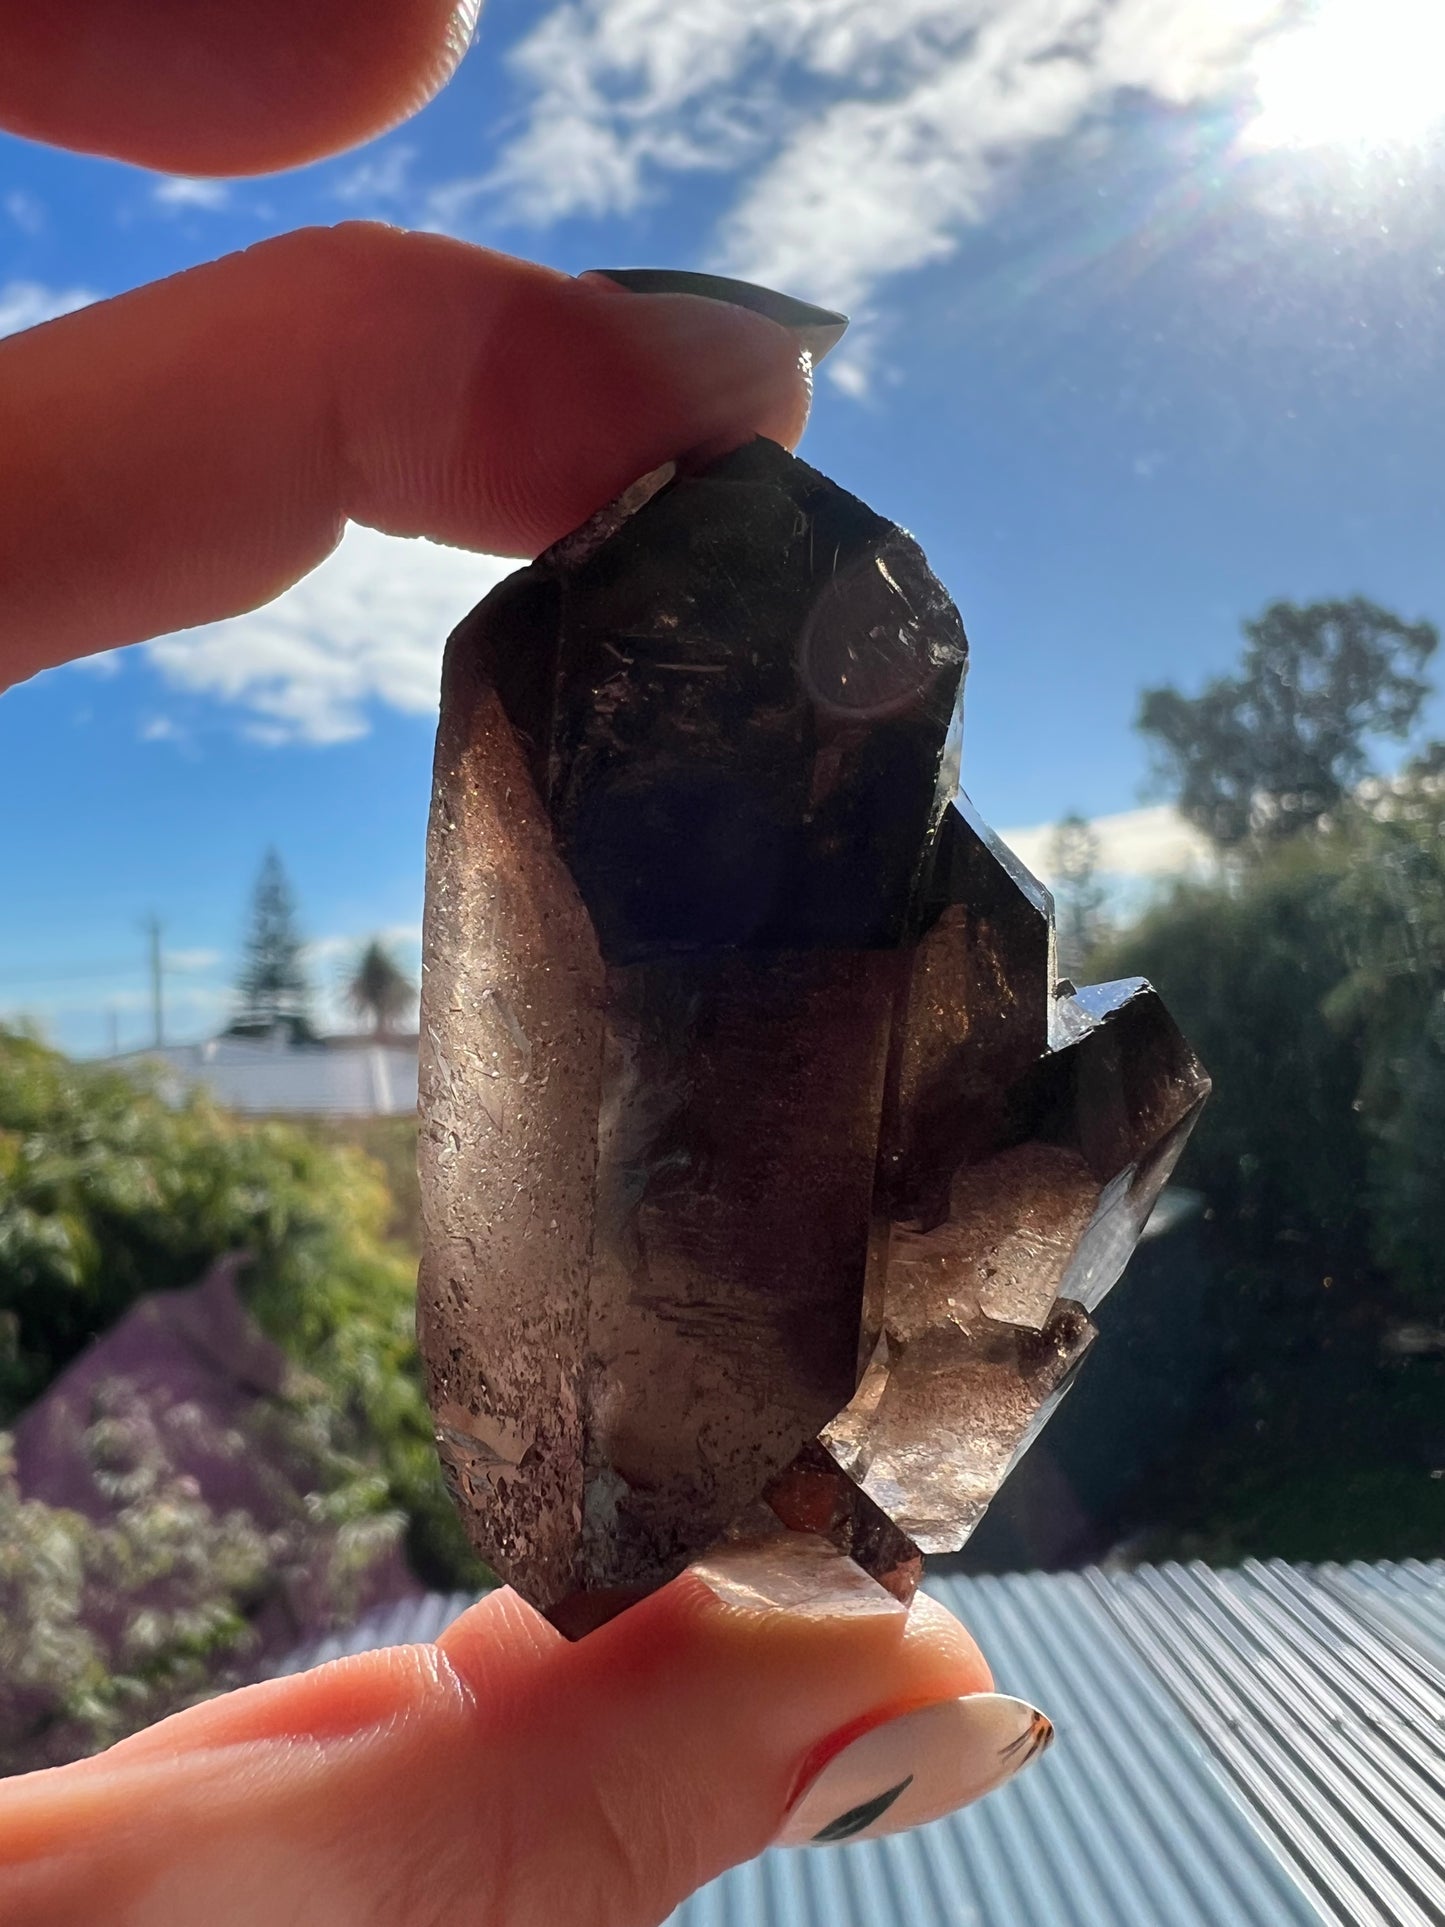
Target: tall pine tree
(273,987)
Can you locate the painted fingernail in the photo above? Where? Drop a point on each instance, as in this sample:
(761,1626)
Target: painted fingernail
(818,329)
(916,1768)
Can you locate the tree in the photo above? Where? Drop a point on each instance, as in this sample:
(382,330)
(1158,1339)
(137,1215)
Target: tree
(1312,983)
(1078,893)
(273,987)
(379,988)
(1259,756)
(1392,907)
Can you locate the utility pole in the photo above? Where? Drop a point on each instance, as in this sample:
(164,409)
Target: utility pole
(158,1015)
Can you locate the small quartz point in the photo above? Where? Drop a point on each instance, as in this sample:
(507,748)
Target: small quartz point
(769,1174)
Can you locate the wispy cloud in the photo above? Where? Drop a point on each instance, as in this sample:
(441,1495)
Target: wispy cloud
(866,139)
(199,1004)
(626,91)
(366,628)
(25,210)
(384,179)
(179,192)
(344,948)
(106,666)
(25,304)
(1137,845)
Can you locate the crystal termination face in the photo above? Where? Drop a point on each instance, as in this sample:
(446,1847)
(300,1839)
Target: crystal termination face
(769,1174)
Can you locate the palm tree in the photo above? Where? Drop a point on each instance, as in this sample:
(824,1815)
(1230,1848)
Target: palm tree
(378,987)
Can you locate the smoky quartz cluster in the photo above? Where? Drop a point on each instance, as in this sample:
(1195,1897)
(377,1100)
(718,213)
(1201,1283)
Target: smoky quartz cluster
(770,1174)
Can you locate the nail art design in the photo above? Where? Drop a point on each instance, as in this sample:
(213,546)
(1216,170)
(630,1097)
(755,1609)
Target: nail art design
(907,1771)
(858,1819)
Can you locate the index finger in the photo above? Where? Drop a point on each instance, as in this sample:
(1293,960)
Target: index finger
(187,451)
(195,87)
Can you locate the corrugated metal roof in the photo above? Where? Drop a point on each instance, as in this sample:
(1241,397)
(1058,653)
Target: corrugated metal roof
(1257,1747)
(408,1622)
(272,1076)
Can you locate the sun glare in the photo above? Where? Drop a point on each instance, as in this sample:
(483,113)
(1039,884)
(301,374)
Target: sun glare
(1361,73)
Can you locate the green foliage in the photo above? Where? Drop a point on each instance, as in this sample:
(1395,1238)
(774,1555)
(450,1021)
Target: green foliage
(106,1193)
(391,1143)
(107,1626)
(1261,755)
(1391,908)
(1248,968)
(1311,984)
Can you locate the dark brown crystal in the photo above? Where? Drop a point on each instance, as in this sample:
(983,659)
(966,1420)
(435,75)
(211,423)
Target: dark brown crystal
(765,1163)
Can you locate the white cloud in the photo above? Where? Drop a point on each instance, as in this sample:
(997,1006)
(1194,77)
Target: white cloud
(1134,844)
(402,937)
(199,1000)
(627,89)
(24,210)
(867,138)
(25,304)
(107,666)
(382,180)
(179,191)
(192,959)
(161,729)
(367,627)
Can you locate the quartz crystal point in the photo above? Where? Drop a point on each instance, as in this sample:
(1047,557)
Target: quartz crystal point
(769,1173)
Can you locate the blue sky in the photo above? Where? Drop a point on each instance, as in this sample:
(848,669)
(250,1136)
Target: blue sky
(1150,328)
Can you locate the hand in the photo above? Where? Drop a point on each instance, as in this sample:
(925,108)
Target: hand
(503,1778)
(187,451)
(181,454)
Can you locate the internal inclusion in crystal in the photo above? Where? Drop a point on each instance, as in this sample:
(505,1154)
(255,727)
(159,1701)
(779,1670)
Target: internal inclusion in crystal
(769,1171)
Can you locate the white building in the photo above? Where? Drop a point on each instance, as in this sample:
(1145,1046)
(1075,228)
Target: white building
(350,1077)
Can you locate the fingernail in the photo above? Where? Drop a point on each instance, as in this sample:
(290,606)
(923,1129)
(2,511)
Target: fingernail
(818,329)
(907,1771)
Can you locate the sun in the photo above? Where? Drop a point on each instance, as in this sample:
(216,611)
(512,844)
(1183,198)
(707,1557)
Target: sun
(1355,73)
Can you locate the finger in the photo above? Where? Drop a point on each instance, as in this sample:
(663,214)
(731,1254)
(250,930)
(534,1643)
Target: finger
(222,89)
(187,451)
(502,1777)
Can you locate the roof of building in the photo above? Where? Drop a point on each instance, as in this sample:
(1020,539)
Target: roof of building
(1249,1748)
(273,1075)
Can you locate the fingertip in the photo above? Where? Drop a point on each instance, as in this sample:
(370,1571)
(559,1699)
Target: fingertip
(590,386)
(940,1637)
(497,1635)
(224,90)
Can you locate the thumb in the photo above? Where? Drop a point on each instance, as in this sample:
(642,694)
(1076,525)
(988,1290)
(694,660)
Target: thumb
(504,1778)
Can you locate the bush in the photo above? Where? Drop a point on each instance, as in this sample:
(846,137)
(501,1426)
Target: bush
(108,1625)
(106,1193)
(1310,982)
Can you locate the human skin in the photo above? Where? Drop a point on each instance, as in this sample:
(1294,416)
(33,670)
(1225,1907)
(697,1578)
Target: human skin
(183,453)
